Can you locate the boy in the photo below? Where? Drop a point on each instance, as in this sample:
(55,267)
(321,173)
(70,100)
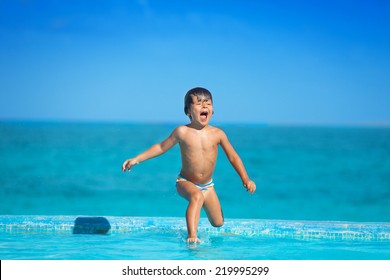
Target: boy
(199,147)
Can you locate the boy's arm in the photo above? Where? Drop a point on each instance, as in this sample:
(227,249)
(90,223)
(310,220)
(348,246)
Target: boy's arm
(153,151)
(236,162)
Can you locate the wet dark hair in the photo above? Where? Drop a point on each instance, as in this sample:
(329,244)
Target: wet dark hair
(198,91)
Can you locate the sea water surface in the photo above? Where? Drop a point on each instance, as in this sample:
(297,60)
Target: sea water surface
(302,173)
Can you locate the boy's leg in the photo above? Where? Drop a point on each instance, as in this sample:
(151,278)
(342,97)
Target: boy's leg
(195,202)
(213,208)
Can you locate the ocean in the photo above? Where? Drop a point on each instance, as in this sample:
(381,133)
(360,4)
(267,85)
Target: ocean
(301,172)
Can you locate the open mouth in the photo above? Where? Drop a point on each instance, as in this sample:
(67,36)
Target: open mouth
(203,116)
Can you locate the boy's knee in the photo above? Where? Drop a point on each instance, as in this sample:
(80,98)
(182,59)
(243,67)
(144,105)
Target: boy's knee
(218,223)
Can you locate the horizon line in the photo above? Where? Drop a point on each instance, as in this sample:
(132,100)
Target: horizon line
(382,124)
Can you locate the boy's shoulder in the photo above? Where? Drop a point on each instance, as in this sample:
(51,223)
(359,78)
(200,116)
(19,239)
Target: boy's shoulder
(179,130)
(214,129)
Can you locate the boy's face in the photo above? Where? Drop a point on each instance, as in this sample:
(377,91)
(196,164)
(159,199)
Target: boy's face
(201,110)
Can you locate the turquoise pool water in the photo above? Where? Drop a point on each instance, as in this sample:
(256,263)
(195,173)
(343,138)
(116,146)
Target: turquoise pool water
(163,238)
(302,173)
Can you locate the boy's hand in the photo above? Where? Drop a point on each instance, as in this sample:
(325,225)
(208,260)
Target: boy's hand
(128,164)
(250,186)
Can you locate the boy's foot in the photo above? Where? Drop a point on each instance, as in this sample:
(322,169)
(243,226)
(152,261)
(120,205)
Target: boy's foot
(193,240)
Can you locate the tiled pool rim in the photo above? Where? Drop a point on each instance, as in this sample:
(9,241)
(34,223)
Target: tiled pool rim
(336,230)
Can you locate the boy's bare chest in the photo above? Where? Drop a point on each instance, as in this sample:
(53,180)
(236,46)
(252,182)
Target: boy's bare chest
(198,143)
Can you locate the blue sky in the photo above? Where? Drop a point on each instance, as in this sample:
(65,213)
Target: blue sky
(289,62)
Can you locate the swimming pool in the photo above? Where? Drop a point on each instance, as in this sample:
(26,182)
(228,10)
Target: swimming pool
(163,238)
